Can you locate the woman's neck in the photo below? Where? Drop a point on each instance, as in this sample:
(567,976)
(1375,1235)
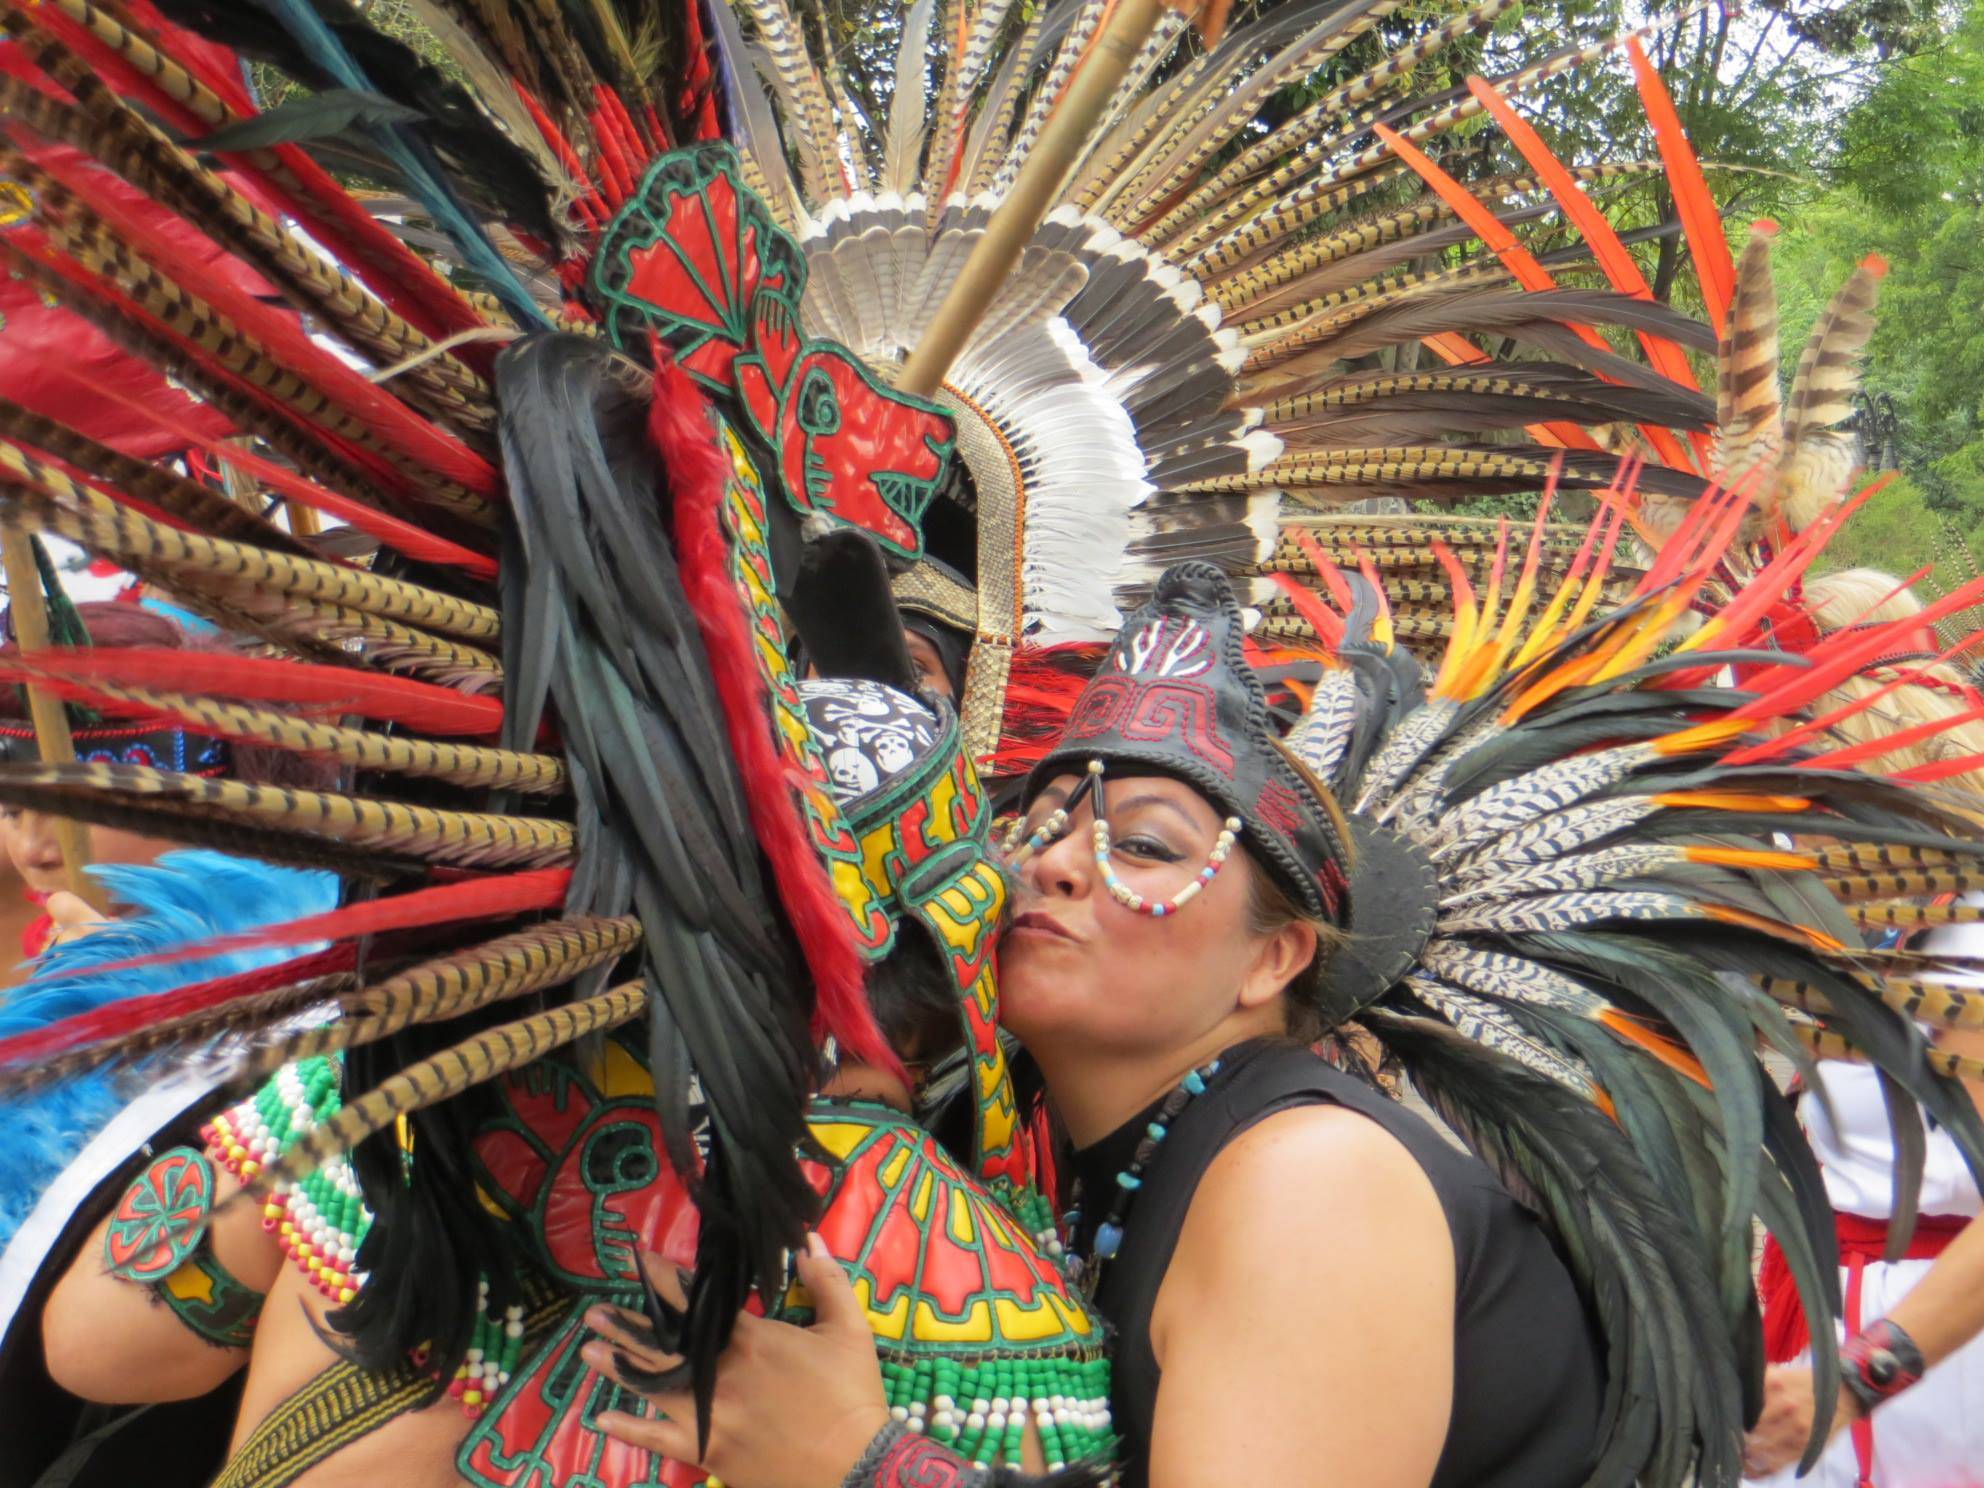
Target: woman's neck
(853,1081)
(1096,1090)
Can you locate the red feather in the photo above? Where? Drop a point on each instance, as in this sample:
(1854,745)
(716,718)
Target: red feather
(588,199)
(1519,261)
(134,1013)
(331,215)
(681,425)
(480,898)
(1791,738)
(391,421)
(1701,220)
(1329,629)
(1940,770)
(1852,754)
(1621,269)
(1843,654)
(1041,692)
(1326,570)
(422,706)
(29,243)
(392,531)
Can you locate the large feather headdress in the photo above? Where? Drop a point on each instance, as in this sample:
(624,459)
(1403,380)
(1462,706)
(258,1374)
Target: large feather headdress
(1213,327)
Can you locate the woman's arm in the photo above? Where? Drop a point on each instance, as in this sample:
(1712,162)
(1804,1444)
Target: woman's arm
(114,1342)
(1306,1324)
(1943,1313)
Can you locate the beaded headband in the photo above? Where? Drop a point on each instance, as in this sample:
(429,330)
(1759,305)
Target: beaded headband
(160,748)
(1056,827)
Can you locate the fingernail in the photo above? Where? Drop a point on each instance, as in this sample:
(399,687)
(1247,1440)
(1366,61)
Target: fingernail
(815,1246)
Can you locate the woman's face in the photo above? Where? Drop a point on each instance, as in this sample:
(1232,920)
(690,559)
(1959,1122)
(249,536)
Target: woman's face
(35,848)
(1080,970)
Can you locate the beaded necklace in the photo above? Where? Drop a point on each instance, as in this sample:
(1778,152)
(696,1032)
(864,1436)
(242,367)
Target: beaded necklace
(1109,1234)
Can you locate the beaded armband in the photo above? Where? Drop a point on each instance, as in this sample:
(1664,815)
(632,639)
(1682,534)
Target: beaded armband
(320,1220)
(1879,1362)
(157,1238)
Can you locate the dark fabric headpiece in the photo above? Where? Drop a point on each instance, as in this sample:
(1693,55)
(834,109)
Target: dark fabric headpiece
(1175,695)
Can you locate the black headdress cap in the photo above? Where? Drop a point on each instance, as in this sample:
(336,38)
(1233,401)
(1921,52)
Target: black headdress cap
(1175,696)
(844,615)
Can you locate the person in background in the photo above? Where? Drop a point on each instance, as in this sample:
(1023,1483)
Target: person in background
(939,610)
(1924,1311)
(31,838)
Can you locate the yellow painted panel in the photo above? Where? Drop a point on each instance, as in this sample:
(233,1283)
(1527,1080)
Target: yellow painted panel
(974,1327)
(962,1229)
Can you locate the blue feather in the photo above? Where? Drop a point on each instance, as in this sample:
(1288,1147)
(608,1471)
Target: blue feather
(416,159)
(184,897)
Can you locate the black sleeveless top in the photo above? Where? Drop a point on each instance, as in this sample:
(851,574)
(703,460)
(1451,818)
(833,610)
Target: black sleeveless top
(1529,1370)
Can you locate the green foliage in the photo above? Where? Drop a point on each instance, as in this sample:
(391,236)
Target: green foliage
(1908,183)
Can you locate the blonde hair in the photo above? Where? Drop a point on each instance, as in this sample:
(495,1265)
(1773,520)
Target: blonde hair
(1858,595)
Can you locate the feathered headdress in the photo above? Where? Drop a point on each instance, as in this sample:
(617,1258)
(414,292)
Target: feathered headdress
(1184,347)
(1587,883)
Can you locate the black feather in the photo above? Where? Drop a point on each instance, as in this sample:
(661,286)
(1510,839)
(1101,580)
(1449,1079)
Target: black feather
(661,813)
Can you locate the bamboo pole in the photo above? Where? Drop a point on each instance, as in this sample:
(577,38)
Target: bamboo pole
(1026,206)
(51,722)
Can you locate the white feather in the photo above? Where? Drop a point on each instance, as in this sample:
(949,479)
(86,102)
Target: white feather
(908,111)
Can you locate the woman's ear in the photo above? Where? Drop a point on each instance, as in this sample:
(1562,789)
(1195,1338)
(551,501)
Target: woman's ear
(1282,957)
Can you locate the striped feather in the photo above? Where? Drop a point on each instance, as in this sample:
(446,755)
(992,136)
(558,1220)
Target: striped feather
(1751,425)
(471,1062)
(94,791)
(462,982)
(1493,1028)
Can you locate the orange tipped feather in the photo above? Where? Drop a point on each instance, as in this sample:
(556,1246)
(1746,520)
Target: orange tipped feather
(1669,1052)
(1732,801)
(1751,857)
(1702,736)
(1782,929)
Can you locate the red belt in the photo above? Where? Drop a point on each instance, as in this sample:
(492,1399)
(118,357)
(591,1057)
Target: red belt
(1786,1333)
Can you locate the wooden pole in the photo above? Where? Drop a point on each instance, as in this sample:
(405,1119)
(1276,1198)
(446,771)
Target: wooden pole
(51,722)
(1026,206)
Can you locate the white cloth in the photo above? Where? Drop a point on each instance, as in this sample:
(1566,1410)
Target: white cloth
(1856,1152)
(1931,1436)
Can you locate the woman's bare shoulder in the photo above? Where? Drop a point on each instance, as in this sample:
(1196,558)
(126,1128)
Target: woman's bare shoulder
(1313,1214)
(1313,1165)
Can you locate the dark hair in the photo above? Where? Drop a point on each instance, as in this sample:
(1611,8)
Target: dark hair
(1270,907)
(117,624)
(913,997)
